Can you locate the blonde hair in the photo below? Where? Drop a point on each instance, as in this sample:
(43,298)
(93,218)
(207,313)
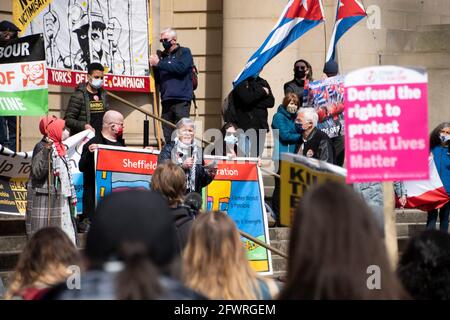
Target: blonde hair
(215,262)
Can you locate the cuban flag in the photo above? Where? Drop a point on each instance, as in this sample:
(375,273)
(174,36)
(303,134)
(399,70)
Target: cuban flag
(349,13)
(298,17)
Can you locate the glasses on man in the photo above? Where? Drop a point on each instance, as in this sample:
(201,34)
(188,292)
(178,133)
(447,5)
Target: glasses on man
(164,40)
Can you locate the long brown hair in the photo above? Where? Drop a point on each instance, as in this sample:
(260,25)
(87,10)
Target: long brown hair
(214,260)
(334,241)
(44,261)
(169,179)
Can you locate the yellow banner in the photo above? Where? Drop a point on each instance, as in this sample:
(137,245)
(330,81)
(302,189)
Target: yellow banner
(298,173)
(24,11)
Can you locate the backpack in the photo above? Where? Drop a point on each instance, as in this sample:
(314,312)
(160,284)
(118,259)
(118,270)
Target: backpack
(229,109)
(194,71)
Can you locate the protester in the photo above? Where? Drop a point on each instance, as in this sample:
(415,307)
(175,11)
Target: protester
(185,152)
(286,139)
(252,97)
(44,262)
(316,143)
(302,72)
(440,149)
(51,196)
(233,142)
(372,193)
(173,68)
(424,267)
(170,181)
(131,252)
(8,124)
(334,243)
(88,103)
(215,262)
(331,69)
(111,134)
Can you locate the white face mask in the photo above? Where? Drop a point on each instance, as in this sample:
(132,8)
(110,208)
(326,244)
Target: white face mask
(292,108)
(65,134)
(230,139)
(444,137)
(97,83)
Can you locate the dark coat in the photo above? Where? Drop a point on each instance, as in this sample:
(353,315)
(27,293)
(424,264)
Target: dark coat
(87,166)
(251,102)
(78,113)
(296,87)
(174,75)
(202,178)
(183,223)
(319,143)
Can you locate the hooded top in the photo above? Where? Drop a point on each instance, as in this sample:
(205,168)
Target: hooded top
(52,127)
(132,216)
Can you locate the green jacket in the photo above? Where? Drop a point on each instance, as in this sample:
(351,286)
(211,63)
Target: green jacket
(78,113)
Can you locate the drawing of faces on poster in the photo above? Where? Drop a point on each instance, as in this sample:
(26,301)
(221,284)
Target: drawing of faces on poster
(111,32)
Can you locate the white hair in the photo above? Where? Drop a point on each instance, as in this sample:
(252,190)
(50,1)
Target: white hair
(185,122)
(310,115)
(171,32)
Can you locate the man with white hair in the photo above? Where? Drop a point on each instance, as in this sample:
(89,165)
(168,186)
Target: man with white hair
(316,143)
(173,73)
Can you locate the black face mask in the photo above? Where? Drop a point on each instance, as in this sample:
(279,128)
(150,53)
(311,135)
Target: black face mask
(299,74)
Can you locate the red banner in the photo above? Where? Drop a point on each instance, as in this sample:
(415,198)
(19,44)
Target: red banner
(69,78)
(126,161)
(235,171)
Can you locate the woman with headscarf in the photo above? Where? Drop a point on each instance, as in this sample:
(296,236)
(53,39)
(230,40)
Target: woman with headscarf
(51,197)
(187,154)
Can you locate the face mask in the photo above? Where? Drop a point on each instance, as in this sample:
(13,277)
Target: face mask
(292,108)
(65,134)
(119,132)
(231,139)
(299,127)
(300,74)
(97,83)
(166,45)
(444,137)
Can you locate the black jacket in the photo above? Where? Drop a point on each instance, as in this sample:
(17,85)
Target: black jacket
(78,113)
(320,145)
(296,87)
(183,223)
(202,178)
(87,166)
(251,102)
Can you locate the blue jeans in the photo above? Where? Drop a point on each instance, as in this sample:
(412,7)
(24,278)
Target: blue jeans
(443,218)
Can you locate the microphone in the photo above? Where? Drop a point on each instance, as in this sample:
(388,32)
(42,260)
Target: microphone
(193,201)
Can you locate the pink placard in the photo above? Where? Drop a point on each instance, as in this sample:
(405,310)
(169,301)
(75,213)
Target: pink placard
(386,125)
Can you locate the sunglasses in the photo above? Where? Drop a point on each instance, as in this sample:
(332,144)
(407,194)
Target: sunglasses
(164,40)
(302,67)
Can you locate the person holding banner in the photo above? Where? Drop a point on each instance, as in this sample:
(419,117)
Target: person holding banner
(8,124)
(286,139)
(316,143)
(111,134)
(185,152)
(88,103)
(440,149)
(51,196)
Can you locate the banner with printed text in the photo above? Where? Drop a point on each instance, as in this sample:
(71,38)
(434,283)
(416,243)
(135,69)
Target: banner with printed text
(386,124)
(79,32)
(15,171)
(298,174)
(23,77)
(237,189)
(120,168)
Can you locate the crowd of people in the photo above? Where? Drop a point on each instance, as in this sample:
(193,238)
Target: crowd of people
(150,245)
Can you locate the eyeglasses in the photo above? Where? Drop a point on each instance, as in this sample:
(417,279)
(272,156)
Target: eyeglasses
(164,40)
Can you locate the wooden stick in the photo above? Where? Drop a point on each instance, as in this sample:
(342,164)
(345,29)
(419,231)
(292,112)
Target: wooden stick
(390,231)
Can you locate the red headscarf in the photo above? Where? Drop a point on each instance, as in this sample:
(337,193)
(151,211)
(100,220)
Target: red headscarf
(52,127)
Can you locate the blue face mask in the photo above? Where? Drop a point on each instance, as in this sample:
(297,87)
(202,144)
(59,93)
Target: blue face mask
(299,127)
